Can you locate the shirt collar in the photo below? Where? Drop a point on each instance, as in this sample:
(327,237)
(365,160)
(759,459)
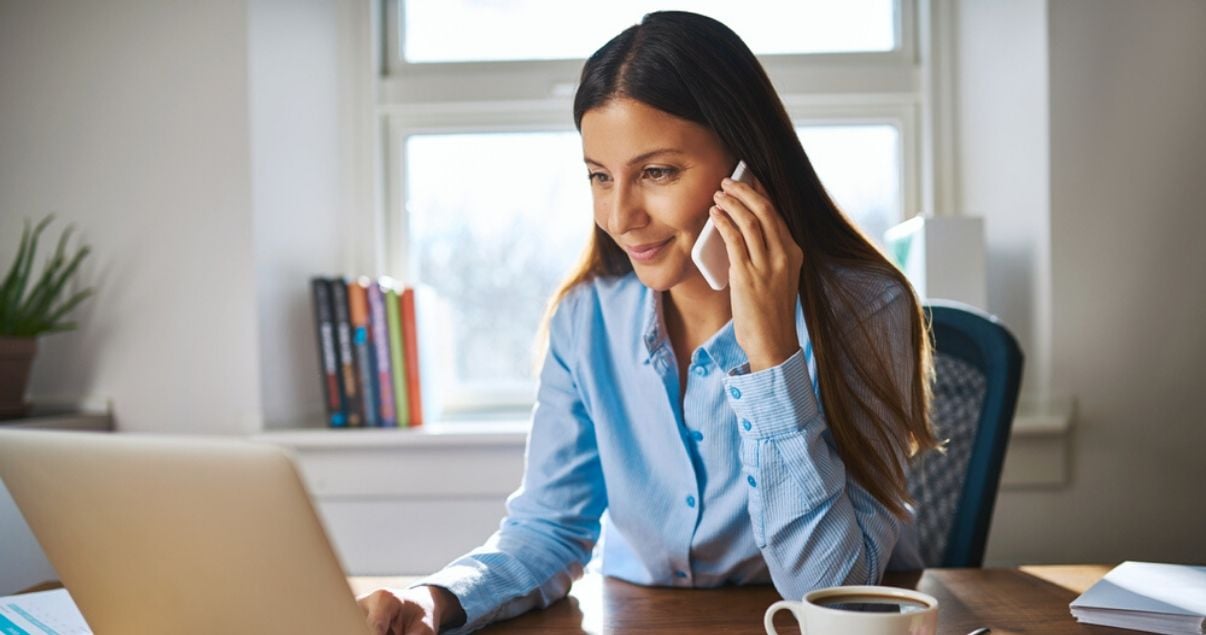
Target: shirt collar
(653,331)
(721,348)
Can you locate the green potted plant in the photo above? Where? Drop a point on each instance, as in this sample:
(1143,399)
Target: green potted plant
(30,307)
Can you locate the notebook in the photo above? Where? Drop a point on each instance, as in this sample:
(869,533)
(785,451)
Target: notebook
(1147,596)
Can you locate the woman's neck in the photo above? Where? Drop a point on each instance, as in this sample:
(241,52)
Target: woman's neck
(694,311)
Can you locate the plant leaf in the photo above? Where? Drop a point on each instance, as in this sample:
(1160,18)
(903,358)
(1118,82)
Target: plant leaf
(25,266)
(68,305)
(59,328)
(40,288)
(7,305)
(53,285)
(39,311)
(38,297)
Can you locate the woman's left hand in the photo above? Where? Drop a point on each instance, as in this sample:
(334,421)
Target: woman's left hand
(764,273)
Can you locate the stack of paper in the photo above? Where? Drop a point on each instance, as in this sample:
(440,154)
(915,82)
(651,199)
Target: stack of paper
(43,613)
(1145,596)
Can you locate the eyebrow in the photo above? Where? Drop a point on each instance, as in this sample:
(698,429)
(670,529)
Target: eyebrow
(641,157)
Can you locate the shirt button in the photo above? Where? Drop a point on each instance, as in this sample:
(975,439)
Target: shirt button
(751,481)
(736,393)
(700,370)
(745,423)
(697,435)
(690,501)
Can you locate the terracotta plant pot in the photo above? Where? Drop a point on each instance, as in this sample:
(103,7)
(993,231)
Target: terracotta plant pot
(16,358)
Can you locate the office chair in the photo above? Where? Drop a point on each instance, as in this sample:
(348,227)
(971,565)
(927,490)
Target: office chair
(978,371)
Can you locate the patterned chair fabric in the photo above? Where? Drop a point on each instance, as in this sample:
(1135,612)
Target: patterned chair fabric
(977,375)
(936,479)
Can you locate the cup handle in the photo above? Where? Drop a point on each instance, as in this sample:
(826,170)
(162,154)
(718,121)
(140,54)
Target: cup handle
(768,618)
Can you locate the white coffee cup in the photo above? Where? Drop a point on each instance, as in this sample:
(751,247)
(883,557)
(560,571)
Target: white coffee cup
(868,610)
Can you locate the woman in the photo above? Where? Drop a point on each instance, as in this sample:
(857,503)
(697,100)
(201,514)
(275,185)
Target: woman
(694,417)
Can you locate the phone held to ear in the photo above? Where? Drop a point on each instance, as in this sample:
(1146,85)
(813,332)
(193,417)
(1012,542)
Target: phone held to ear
(709,253)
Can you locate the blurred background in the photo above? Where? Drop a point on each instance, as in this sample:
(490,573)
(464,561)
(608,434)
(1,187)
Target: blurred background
(216,155)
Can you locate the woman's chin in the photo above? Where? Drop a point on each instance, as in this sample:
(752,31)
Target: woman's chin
(658,277)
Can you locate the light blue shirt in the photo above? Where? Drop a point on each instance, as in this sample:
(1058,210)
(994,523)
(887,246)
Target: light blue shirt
(741,484)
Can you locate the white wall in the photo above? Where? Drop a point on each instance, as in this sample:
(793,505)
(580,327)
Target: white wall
(1002,151)
(298,148)
(130,119)
(1125,96)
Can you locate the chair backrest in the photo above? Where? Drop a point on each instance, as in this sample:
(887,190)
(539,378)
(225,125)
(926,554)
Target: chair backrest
(978,371)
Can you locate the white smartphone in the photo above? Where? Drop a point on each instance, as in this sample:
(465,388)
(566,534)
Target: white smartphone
(709,253)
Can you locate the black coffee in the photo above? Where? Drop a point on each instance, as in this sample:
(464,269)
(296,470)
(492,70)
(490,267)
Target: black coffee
(871,604)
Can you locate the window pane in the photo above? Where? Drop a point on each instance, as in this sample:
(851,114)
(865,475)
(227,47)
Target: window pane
(493,30)
(496,222)
(860,167)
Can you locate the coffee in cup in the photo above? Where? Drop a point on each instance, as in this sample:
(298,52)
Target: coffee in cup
(870,610)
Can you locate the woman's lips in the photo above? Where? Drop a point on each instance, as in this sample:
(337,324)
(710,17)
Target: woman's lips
(649,251)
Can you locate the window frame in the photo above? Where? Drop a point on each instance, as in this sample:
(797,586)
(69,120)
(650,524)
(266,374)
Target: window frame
(817,89)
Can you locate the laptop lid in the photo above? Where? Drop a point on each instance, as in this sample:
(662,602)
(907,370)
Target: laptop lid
(155,534)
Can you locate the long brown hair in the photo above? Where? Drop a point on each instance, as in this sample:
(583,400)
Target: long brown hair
(696,68)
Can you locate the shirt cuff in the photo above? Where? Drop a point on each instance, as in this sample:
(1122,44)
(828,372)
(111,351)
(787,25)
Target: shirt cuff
(773,401)
(463,581)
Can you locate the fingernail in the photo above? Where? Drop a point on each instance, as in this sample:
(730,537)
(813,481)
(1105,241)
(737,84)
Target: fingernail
(726,182)
(718,195)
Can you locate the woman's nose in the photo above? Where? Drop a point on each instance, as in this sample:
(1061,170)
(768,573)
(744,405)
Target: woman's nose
(627,211)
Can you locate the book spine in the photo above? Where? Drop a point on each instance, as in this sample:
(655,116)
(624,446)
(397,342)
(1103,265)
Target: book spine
(387,414)
(396,358)
(362,349)
(327,358)
(347,362)
(411,338)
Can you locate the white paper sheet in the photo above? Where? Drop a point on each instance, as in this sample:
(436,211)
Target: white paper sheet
(1171,589)
(41,613)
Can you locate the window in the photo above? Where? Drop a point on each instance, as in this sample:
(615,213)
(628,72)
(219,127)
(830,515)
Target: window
(469,30)
(494,238)
(860,167)
(484,195)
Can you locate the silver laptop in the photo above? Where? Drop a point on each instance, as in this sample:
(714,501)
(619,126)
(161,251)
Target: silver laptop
(179,535)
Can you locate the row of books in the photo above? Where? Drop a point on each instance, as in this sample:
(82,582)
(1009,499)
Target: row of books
(368,351)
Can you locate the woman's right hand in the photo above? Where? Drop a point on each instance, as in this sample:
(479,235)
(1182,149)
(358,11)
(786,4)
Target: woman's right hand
(414,611)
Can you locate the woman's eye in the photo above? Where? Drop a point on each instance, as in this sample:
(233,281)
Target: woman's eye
(596,177)
(659,173)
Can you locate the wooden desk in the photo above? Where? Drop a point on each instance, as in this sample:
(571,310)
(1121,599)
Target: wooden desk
(1010,601)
